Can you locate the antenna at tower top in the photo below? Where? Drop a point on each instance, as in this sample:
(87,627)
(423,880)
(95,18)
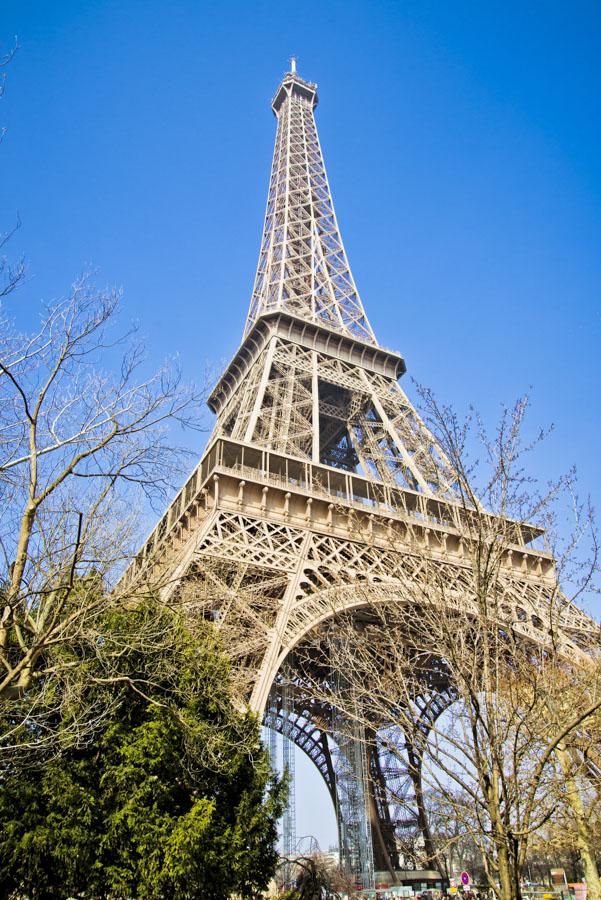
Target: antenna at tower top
(293,64)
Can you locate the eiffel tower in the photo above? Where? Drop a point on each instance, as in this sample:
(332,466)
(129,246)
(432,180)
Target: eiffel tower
(319,474)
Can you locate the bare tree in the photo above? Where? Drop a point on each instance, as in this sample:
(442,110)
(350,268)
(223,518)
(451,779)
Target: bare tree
(316,877)
(452,836)
(578,769)
(87,440)
(557,844)
(497,646)
(81,452)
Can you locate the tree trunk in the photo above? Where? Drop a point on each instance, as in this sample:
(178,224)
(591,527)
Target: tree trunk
(509,880)
(584,837)
(422,816)
(17,573)
(509,875)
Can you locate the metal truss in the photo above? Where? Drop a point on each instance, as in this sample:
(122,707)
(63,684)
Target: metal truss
(288,766)
(308,737)
(313,406)
(302,264)
(321,492)
(353,800)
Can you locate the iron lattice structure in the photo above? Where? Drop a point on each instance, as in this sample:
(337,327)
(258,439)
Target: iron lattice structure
(320,476)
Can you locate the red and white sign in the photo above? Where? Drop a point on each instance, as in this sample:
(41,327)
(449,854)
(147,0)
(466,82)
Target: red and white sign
(465,878)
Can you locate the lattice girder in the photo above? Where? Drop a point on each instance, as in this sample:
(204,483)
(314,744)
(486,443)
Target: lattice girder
(321,490)
(308,736)
(304,403)
(275,563)
(302,262)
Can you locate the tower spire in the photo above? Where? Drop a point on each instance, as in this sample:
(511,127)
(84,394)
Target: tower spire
(303,268)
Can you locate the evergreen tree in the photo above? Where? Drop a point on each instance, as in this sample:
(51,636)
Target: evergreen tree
(172,796)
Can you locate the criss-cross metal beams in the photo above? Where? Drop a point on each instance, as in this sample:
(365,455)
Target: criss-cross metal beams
(377,790)
(315,406)
(303,266)
(322,492)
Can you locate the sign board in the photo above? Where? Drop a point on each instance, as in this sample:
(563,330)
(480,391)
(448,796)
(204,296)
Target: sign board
(453,890)
(453,882)
(558,876)
(465,878)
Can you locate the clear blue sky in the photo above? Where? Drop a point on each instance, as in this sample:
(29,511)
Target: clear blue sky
(462,142)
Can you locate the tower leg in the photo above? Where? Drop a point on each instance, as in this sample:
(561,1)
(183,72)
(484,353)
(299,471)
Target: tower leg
(353,805)
(386,856)
(288,766)
(415,773)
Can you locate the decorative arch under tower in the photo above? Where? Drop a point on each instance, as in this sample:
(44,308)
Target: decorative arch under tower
(320,475)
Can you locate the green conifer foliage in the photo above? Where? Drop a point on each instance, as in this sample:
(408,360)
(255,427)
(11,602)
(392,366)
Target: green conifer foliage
(172,796)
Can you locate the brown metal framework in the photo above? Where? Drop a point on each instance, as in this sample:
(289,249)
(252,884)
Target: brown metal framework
(320,476)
